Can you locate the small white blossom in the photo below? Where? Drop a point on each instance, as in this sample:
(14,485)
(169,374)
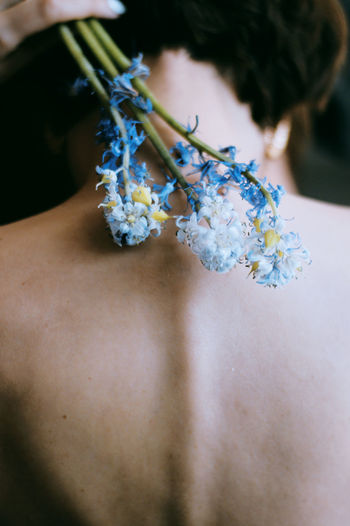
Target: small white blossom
(275,257)
(127,221)
(215,207)
(108,177)
(156,218)
(218,247)
(132,221)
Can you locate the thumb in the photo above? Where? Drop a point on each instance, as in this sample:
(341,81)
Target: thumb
(30,16)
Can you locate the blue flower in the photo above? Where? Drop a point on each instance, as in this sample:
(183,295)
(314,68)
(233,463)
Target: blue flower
(231,151)
(80,85)
(276,193)
(140,171)
(137,69)
(121,89)
(253,195)
(183,153)
(135,212)
(144,104)
(107,130)
(236,174)
(164,192)
(252,167)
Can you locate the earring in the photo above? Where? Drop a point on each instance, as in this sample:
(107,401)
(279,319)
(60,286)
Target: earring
(276,139)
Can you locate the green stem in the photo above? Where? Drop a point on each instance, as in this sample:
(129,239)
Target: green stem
(94,44)
(84,64)
(124,63)
(88,70)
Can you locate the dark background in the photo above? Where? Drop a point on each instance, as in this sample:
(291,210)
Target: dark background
(324,169)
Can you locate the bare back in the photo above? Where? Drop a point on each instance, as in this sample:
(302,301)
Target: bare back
(138,388)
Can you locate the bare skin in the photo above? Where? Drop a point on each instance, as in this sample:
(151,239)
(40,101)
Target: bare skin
(138,388)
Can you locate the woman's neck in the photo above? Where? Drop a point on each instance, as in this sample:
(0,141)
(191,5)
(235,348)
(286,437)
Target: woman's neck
(188,88)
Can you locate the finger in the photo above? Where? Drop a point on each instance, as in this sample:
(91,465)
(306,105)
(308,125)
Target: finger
(30,16)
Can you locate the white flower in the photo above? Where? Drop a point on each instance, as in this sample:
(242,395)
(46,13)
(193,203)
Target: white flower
(156,219)
(218,247)
(128,224)
(132,221)
(215,208)
(275,257)
(127,221)
(108,177)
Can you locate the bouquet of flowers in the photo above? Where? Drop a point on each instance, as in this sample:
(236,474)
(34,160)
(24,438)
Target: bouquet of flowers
(134,209)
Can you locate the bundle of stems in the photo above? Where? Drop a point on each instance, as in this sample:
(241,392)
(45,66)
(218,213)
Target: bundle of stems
(113,62)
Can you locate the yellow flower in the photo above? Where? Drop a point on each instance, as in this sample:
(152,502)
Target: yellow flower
(160,216)
(257,224)
(271,238)
(255,266)
(106,179)
(142,195)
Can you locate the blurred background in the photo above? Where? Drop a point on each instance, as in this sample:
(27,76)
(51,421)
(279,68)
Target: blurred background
(324,169)
(35,177)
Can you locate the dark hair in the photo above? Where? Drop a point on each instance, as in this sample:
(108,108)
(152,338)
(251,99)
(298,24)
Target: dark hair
(281,55)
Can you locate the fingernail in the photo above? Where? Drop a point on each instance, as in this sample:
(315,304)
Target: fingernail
(117,6)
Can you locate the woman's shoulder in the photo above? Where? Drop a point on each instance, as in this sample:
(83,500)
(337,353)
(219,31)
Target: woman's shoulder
(44,242)
(40,248)
(31,252)
(24,245)
(324,228)
(310,211)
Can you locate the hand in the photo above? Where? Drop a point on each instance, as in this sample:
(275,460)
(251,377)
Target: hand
(21,18)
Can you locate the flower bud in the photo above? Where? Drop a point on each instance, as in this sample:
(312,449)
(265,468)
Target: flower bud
(271,238)
(160,216)
(142,195)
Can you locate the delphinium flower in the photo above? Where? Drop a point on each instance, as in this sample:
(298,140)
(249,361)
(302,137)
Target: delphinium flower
(213,231)
(132,210)
(132,220)
(219,245)
(121,88)
(136,213)
(164,191)
(273,256)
